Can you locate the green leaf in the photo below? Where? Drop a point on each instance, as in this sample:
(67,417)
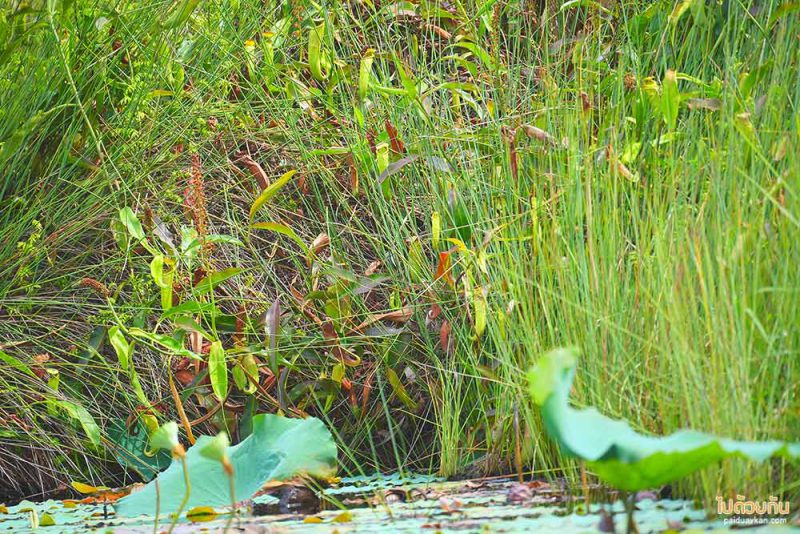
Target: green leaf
(137,386)
(191,307)
(315,61)
(131,223)
(218,370)
(167,342)
(569,4)
(214,279)
(197,242)
(670,99)
(166,290)
(87,489)
(278,449)
(201,514)
(479,309)
(479,52)
(282,229)
(270,191)
(11,145)
(131,448)
(365,73)
(436,229)
(157,271)
(46,520)
(82,416)
(246,365)
(680,8)
(751,79)
(190,325)
(121,347)
(782,11)
(17,364)
(400,389)
(618,454)
(180,15)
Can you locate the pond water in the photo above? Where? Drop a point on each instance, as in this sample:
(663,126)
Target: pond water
(392,503)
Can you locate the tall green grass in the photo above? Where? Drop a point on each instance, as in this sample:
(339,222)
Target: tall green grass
(670,257)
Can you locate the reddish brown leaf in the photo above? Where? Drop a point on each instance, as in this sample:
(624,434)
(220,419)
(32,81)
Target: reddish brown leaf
(444,336)
(353,174)
(365,392)
(184,377)
(441,32)
(398,316)
(106,497)
(444,269)
(585,103)
(344,355)
(539,134)
(518,494)
(512,157)
(255,169)
(396,143)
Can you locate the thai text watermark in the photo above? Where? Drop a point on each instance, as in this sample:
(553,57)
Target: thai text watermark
(743,512)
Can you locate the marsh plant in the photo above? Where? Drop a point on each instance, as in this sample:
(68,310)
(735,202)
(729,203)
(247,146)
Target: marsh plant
(380,214)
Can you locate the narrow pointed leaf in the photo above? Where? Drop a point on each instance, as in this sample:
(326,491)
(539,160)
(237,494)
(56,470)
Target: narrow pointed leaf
(396,167)
(272,326)
(214,279)
(282,229)
(131,223)
(270,192)
(121,346)
(218,370)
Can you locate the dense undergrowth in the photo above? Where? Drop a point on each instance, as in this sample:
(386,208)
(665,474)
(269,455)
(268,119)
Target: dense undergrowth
(475,182)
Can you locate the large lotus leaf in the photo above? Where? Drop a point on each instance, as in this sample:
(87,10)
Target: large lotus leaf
(618,454)
(278,449)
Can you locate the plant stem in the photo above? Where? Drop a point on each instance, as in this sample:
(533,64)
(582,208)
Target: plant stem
(630,504)
(584,483)
(232,486)
(158,506)
(179,406)
(185,500)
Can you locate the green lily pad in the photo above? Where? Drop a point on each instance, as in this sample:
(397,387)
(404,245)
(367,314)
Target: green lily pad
(618,454)
(278,449)
(132,449)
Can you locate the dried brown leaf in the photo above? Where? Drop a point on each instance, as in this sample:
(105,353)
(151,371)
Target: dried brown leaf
(255,169)
(319,244)
(372,268)
(710,104)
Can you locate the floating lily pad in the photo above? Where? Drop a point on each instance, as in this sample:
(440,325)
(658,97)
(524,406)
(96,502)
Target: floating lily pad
(618,454)
(278,449)
(132,449)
